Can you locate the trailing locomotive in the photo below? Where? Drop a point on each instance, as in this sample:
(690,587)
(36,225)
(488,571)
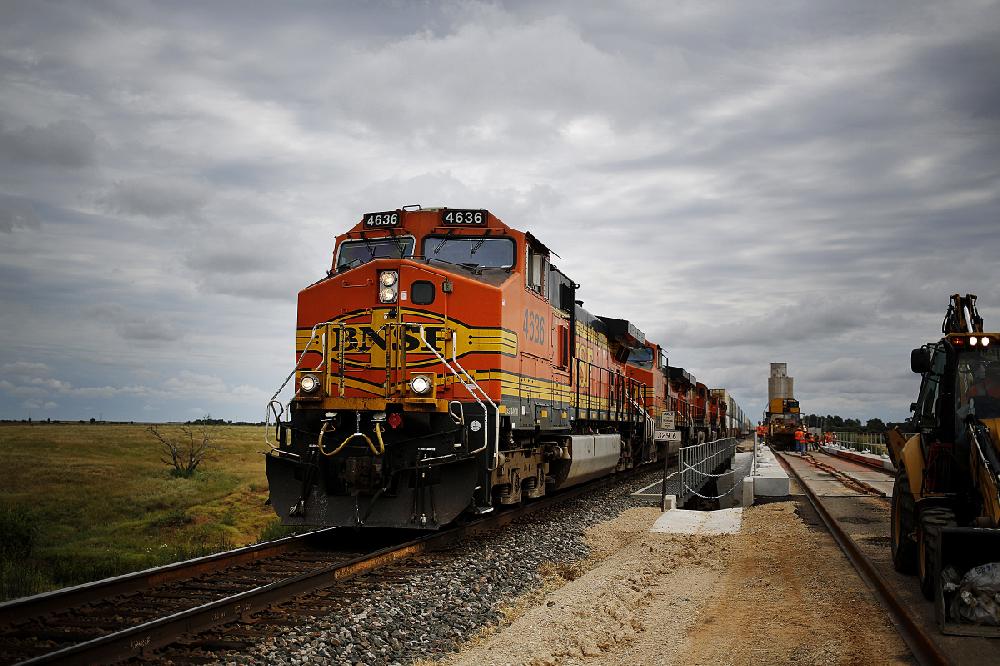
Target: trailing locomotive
(444,366)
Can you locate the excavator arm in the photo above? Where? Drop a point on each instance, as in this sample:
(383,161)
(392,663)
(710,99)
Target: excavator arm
(962,316)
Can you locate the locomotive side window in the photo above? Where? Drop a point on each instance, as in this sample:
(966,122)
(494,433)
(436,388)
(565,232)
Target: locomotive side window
(537,266)
(422,292)
(563,346)
(642,357)
(476,251)
(357,252)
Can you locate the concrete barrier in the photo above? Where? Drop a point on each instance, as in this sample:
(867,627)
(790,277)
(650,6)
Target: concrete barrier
(746,492)
(870,459)
(769,480)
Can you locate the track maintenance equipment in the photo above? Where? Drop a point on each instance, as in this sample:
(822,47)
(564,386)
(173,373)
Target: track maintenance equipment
(945,523)
(782,416)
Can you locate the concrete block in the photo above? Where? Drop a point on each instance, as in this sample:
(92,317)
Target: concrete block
(771,486)
(770,480)
(669,503)
(747,491)
(681,521)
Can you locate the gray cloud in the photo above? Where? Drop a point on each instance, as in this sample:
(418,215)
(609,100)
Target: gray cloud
(15,214)
(157,198)
(799,181)
(64,143)
(150,327)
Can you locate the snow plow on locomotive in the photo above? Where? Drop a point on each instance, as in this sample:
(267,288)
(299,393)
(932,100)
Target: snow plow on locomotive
(445,366)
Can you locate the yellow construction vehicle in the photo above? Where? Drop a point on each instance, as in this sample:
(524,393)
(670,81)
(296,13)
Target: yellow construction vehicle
(945,523)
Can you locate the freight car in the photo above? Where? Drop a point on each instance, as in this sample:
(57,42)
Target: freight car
(444,365)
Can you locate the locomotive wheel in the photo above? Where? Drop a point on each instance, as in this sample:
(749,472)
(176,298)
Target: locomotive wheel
(932,519)
(904,549)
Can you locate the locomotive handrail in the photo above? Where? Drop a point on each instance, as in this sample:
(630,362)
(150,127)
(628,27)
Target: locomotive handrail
(496,410)
(298,361)
(650,424)
(469,387)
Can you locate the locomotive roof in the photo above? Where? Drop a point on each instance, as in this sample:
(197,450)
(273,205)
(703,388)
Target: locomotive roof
(439,220)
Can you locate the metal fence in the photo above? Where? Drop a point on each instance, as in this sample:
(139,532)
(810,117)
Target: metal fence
(700,464)
(867,442)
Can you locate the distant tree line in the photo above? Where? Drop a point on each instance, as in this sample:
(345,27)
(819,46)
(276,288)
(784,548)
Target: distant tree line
(208,420)
(94,421)
(839,423)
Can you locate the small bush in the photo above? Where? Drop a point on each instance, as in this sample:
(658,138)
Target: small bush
(185,452)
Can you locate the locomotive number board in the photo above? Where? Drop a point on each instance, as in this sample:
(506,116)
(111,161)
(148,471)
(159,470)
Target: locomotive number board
(457,217)
(389,218)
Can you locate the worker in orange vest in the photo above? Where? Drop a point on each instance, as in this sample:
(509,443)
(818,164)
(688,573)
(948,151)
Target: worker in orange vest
(800,440)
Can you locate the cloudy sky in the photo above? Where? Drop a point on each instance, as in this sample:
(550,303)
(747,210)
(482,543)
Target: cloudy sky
(746,181)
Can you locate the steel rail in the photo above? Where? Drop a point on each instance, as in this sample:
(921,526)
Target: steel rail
(140,641)
(924,649)
(18,610)
(845,478)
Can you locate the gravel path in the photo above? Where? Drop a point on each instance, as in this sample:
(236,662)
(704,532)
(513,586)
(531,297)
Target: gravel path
(412,612)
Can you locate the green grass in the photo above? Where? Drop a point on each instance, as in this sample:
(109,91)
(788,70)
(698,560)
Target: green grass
(79,502)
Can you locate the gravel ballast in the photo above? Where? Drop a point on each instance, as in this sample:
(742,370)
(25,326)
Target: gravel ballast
(428,607)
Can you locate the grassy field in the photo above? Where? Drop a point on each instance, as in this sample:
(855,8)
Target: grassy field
(79,502)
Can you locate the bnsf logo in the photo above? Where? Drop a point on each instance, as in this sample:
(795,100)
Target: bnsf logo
(364,339)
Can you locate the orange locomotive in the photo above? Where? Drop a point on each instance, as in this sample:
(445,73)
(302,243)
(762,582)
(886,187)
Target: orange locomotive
(444,365)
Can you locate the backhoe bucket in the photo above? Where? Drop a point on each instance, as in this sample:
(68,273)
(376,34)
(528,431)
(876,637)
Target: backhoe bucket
(964,548)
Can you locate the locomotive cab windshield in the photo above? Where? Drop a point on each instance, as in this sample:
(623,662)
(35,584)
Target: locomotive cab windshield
(354,253)
(472,251)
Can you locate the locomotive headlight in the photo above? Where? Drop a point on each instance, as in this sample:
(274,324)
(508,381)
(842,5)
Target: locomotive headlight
(387,294)
(308,383)
(388,278)
(421,384)
(985,342)
(973,341)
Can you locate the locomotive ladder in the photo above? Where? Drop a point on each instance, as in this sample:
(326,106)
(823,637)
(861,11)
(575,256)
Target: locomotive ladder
(650,424)
(474,389)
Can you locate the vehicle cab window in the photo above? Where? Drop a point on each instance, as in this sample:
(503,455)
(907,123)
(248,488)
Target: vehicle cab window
(353,253)
(470,251)
(978,378)
(929,390)
(536,267)
(641,357)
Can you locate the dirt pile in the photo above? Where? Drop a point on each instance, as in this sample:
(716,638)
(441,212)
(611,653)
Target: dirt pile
(777,592)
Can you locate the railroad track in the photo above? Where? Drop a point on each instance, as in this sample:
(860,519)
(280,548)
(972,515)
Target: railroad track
(858,519)
(120,617)
(135,615)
